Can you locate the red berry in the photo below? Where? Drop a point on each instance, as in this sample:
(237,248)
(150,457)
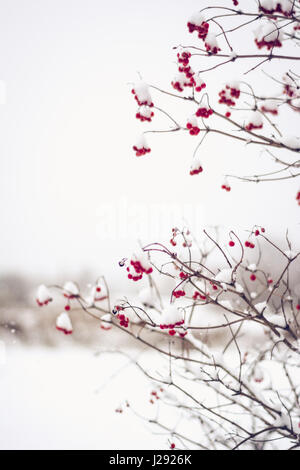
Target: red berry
(253,277)
(231,243)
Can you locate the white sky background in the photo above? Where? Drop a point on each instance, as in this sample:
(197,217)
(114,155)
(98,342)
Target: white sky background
(68,126)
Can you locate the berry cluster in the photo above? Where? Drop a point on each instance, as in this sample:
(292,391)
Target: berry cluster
(43,296)
(268,44)
(63,323)
(249,244)
(255,121)
(178,293)
(204,112)
(141,147)
(196,167)
(124,321)
(226,187)
(211,44)
(183,79)
(197,295)
(142,95)
(192,126)
(137,267)
(184,57)
(269,106)
(274,6)
(199,84)
(145,113)
(197,23)
(229,94)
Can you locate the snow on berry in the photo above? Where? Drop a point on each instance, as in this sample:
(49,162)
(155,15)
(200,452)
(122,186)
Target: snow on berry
(192,126)
(145,113)
(269,7)
(142,94)
(138,265)
(141,147)
(70,290)
(255,121)
(289,87)
(181,80)
(171,317)
(183,57)
(270,106)
(196,166)
(105,320)
(230,93)
(63,323)
(197,23)
(204,111)
(211,44)
(226,186)
(43,296)
(199,84)
(268,35)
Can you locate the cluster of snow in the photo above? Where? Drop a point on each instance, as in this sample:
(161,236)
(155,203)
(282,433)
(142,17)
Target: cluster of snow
(291,142)
(225,275)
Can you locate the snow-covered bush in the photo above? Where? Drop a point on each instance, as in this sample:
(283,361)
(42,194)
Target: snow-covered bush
(222,328)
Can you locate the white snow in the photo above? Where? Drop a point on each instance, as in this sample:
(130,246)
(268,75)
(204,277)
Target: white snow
(196,18)
(225,275)
(71,288)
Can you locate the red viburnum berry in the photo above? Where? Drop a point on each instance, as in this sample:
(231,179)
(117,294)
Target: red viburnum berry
(192,126)
(172,445)
(172,332)
(231,243)
(252,277)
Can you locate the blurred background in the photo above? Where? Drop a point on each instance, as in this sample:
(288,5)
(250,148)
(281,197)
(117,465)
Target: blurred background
(75,199)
